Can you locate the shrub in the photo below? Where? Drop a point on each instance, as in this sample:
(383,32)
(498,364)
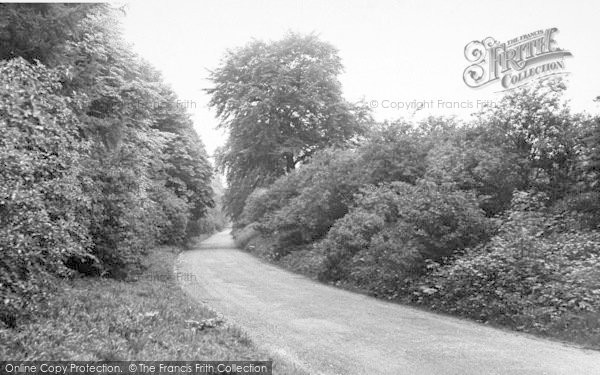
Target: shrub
(332,179)
(307,261)
(264,202)
(580,210)
(349,235)
(243,236)
(529,276)
(395,152)
(390,258)
(394,227)
(124,224)
(258,203)
(301,207)
(173,226)
(486,169)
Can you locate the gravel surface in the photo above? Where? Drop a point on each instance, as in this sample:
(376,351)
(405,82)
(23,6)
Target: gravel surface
(326,330)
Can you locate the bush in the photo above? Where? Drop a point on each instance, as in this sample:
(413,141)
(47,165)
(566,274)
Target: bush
(486,169)
(395,227)
(173,226)
(305,261)
(350,235)
(395,152)
(529,277)
(390,258)
(243,236)
(124,224)
(301,207)
(333,178)
(259,203)
(580,210)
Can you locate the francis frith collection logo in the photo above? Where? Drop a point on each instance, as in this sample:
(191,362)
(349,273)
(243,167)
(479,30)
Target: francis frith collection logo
(515,62)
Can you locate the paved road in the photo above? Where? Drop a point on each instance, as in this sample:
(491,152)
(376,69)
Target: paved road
(330,331)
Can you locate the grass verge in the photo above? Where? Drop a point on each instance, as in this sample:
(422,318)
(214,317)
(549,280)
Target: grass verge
(108,320)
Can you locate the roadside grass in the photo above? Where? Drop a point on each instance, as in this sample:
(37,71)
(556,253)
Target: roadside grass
(99,319)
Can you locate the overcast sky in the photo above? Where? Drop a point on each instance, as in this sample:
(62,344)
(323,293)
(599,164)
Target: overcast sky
(394,51)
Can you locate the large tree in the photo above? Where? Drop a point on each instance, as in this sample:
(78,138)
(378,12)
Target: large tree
(280,101)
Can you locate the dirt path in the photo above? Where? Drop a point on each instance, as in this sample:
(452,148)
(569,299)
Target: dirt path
(331,331)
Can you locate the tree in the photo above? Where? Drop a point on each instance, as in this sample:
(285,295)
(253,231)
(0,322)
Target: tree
(280,102)
(535,126)
(41,200)
(36,31)
(591,158)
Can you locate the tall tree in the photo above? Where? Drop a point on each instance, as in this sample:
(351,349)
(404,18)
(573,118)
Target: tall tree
(280,101)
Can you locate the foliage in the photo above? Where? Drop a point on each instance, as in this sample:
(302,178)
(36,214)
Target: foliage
(41,199)
(301,207)
(582,203)
(591,160)
(99,162)
(411,212)
(215,220)
(188,171)
(395,227)
(174,224)
(36,31)
(395,152)
(263,202)
(535,128)
(324,195)
(530,276)
(472,166)
(243,236)
(280,102)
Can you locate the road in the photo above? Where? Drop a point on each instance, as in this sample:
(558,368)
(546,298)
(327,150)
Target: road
(326,330)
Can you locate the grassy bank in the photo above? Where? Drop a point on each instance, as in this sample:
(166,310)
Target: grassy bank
(149,318)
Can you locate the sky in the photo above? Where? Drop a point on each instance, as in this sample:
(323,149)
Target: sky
(394,51)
